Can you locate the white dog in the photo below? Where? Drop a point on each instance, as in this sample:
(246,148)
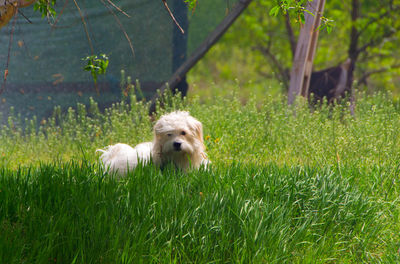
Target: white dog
(178,139)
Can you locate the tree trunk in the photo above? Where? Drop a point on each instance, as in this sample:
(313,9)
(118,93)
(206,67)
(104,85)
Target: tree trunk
(305,50)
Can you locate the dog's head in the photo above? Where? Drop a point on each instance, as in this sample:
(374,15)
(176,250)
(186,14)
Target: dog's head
(178,138)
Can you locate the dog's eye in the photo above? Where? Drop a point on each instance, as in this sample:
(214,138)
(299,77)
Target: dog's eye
(169,134)
(183,133)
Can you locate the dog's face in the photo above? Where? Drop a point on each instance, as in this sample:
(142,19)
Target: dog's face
(178,138)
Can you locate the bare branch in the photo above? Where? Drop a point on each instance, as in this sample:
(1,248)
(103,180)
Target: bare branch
(59,15)
(172,16)
(26,18)
(3,87)
(85,26)
(120,25)
(119,9)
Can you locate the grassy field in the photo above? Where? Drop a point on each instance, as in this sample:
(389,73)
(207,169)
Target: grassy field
(287,185)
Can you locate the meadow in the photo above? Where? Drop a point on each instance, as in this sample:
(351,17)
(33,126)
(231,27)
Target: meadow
(287,185)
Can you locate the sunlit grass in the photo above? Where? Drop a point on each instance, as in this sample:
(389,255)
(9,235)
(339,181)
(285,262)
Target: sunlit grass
(259,131)
(286,185)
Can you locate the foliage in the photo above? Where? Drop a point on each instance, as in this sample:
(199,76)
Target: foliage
(265,44)
(378,30)
(298,8)
(45,7)
(96,65)
(191,4)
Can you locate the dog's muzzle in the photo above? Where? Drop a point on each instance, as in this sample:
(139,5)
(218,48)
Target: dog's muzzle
(177,146)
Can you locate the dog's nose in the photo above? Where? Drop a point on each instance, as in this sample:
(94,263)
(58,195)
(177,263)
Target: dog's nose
(177,146)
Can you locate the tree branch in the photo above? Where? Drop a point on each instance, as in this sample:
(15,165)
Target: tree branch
(172,16)
(283,74)
(365,27)
(119,9)
(53,26)
(365,76)
(3,87)
(375,41)
(84,26)
(119,24)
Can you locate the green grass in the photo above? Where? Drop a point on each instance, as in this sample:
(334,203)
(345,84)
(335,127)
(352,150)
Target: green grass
(287,185)
(255,131)
(74,213)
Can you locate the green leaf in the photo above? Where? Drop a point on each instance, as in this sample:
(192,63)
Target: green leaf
(302,18)
(274,11)
(191,3)
(45,7)
(96,65)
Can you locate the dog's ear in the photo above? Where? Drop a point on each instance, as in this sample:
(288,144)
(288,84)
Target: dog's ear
(198,127)
(157,127)
(157,152)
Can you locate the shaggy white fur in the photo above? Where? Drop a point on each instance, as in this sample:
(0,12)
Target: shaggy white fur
(178,139)
(122,158)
